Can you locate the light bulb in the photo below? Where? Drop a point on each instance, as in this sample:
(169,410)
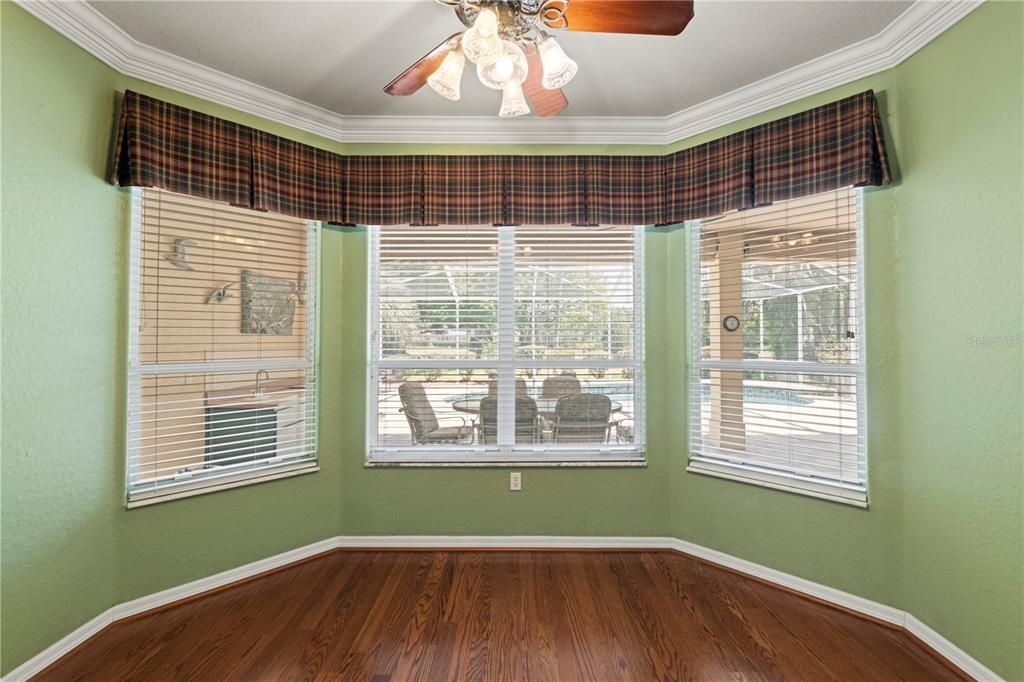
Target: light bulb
(558,68)
(513,103)
(509,69)
(503,68)
(447,79)
(481,42)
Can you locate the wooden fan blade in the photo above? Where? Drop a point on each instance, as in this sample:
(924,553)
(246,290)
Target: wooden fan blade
(545,102)
(646,17)
(415,77)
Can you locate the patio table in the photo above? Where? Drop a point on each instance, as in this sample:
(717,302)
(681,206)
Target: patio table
(545,406)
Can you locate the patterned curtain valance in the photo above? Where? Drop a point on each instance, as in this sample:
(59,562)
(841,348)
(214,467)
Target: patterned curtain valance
(828,147)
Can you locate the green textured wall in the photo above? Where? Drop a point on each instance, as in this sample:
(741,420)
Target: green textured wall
(846,547)
(446,501)
(943,537)
(961,371)
(63,364)
(62,341)
(69,548)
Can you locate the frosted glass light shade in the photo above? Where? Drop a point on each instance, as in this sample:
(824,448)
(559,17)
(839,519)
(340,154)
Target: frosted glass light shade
(558,68)
(513,103)
(447,80)
(486,22)
(509,69)
(481,42)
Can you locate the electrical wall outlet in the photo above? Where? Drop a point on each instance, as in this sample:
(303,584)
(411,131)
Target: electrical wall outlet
(515,481)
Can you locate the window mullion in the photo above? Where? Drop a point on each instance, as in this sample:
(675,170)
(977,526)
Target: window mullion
(134,330)
(373,338)
(638,355)
(506,336)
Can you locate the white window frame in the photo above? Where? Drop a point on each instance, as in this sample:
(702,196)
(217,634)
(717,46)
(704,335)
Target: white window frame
(534,455)
(848,494)
(224,478)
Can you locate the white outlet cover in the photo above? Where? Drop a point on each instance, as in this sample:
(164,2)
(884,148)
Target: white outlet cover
(515,481)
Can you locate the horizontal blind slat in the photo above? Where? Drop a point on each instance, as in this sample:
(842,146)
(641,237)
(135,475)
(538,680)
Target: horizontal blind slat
(210,416)
(447,300)
(790,273)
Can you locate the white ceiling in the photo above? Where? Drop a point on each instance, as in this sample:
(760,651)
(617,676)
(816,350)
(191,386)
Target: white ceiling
(339,55)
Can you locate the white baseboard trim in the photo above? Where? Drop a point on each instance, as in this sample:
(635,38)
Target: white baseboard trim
(952,653)
(500,542)
(45,658)
(831,595)
(852,602)
(63,646)
(191,589)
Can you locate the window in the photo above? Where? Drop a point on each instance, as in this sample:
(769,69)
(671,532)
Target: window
(505,344)
(780,401)
(222,348)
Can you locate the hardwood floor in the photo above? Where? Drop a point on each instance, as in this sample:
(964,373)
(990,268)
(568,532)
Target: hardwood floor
(389,616)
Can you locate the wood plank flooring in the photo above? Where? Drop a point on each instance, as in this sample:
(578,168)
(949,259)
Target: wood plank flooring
(607,616)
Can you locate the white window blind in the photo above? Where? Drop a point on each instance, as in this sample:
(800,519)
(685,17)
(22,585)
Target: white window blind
(505,343)
(222,347)
(780,401)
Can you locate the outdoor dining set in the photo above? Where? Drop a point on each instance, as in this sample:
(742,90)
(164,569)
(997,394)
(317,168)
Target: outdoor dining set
(562,414)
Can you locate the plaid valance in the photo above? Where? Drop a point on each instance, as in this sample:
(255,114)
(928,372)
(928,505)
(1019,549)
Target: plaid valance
(835,145)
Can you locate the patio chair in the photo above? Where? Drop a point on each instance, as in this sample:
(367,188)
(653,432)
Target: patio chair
(423,423)
(623,428)
(557,386)
(521,390)
(527,423)
(582,418)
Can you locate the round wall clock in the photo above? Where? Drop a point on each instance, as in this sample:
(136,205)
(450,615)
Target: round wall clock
(730,323)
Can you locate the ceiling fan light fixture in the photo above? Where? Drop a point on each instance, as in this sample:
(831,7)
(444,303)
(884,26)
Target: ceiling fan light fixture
(481,42)
(509,43)
(513,102)
(509,69)
(447,80)
(559,69)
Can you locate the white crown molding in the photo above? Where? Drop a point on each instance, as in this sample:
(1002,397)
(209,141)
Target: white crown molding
(918,25)
(818,591)
(913,29)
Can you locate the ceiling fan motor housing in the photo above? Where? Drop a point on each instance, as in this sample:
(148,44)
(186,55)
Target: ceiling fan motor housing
(516,17)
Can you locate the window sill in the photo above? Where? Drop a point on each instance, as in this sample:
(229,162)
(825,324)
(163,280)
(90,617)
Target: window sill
(822,491)
(146,498)
(495,463)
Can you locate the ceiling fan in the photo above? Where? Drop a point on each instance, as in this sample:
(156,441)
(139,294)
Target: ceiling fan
(510,44)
